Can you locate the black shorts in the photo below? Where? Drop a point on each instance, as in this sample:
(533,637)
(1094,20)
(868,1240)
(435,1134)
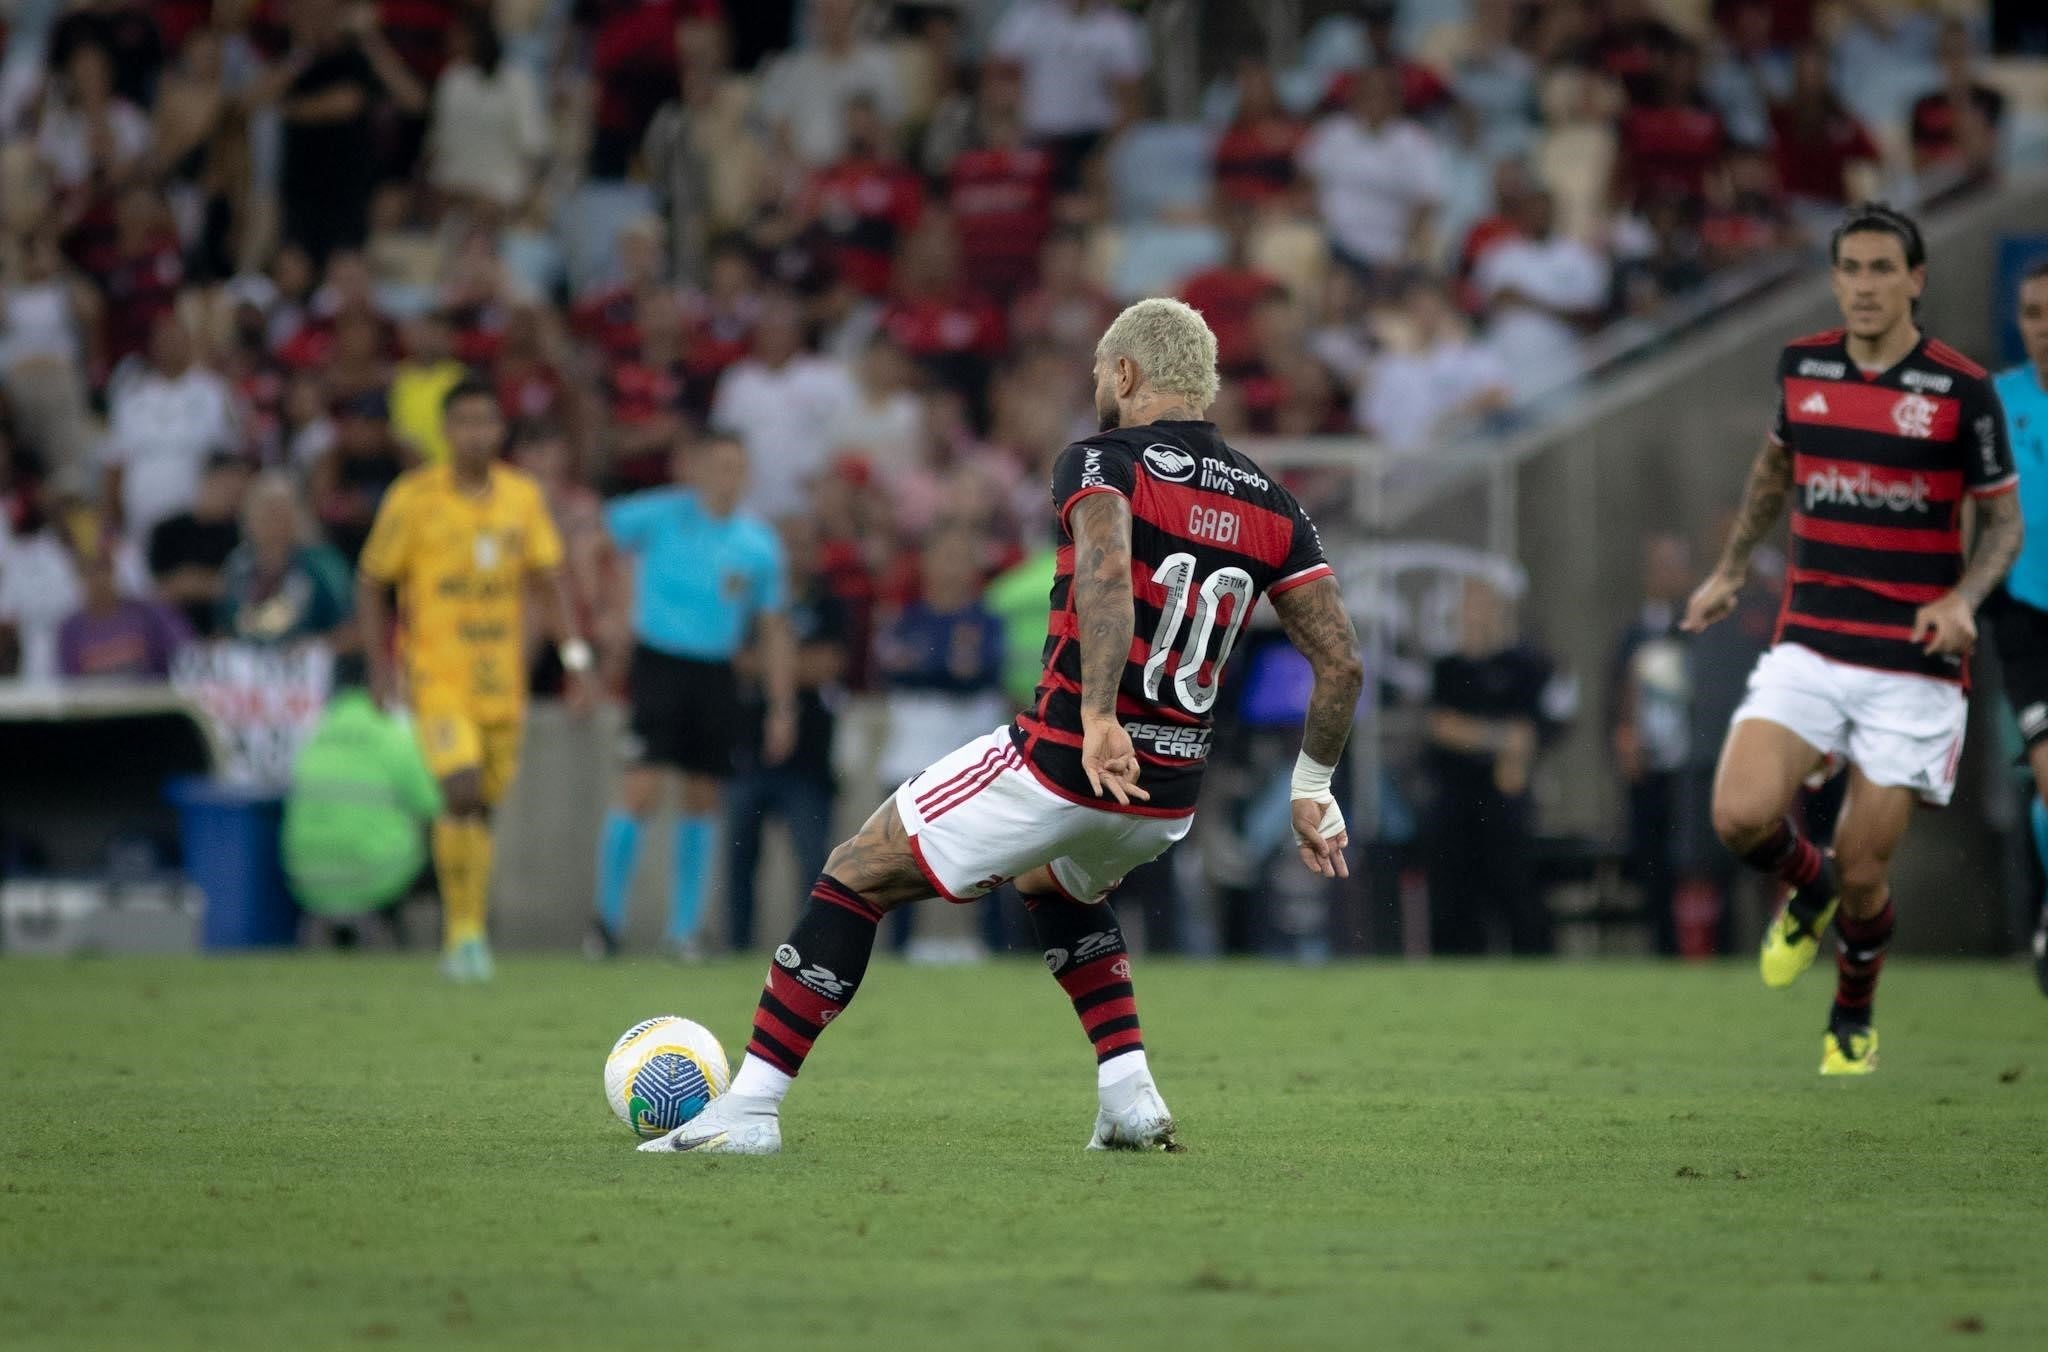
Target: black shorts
(685,713)
(2020,632)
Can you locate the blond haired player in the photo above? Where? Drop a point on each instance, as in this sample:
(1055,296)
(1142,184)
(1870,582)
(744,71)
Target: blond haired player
(462,542)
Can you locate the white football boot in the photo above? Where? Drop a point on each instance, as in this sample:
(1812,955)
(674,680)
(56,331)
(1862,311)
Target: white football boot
(1132,1117)
(734,1124)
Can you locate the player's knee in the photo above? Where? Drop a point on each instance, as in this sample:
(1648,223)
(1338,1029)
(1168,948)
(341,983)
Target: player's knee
(463,795)
(1864,879)
(639,790)
(1744,821)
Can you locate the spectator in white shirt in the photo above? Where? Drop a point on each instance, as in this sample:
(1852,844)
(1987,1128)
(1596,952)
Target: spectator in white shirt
(1541,292)
(166,422)
(782,404)
(884,422)
(90,136)
(1378,177)
(804,93)
(1082,62)
(1439,380)
(489,132)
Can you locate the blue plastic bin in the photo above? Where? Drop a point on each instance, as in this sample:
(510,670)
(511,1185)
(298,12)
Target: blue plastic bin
(232,839)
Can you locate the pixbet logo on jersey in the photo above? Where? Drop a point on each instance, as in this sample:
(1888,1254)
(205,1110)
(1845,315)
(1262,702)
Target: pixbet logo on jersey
(1864,489)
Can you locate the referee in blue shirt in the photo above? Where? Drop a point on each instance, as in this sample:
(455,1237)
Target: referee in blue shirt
(704,574)
(2019,611)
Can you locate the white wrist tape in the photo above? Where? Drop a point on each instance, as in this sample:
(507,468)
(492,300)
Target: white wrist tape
(1312,781)
(575,655)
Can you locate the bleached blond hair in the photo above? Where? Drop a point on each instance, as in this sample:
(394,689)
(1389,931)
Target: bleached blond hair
(1170,344)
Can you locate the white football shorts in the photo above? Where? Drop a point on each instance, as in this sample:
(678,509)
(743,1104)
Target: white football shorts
(1901,730)
(978,817)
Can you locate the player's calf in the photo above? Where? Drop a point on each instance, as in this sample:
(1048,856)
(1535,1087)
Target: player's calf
(1086,953)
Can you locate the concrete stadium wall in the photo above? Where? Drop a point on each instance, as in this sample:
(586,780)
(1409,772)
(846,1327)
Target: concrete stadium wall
(1668,447)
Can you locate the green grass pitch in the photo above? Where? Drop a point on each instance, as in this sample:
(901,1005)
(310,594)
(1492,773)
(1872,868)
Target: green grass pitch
(323,1152)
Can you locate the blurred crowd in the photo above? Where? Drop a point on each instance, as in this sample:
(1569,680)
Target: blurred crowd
(876,240)
(246,245)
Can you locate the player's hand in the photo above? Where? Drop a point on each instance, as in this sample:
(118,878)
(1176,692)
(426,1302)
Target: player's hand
(1713,602)
(778,735)
(1320,835)
(1945,627)
(1110,761)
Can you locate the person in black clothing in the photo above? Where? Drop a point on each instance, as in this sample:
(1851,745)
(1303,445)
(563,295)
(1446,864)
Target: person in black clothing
(1492,706)
(1649,730)
(338,71)
(349,481)
(188,552)
(800,790)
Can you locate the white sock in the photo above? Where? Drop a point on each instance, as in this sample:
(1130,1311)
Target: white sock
(758,1079)
(1115,1070)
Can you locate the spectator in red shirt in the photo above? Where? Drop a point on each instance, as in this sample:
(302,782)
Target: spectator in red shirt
(1423,91)
(1000,192)
(645,395)
(718,322)
(144,273)
(1254,158)
(633,69)
(1957,124)
(1065,309)
(1670,144)
(1816,139)
(1746,217)
(1511,183)
(1228,293)
(609,316)
(1634,46)
(954,333)
(865,202)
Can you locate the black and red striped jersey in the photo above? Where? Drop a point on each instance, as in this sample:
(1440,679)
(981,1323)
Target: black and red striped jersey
(1211,532)
(1881,463)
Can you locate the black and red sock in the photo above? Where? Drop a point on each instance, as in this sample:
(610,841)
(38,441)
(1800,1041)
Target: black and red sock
(1859,959)
(814,974)
(1791,858)
(1085,952)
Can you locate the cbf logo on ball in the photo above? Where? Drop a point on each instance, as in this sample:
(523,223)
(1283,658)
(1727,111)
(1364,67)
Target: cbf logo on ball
(1169,463)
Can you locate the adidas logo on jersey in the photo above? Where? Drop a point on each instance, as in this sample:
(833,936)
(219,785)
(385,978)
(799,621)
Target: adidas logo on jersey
(1816,403)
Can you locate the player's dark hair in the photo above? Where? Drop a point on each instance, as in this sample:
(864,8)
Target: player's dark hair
(1878,218)
(469,387)
(2035,270)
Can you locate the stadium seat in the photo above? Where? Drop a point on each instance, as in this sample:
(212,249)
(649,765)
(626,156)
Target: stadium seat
(589,223)
(1156,166)
(1155,257)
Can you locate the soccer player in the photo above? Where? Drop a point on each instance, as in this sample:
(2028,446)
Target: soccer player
(462,542)
(2019,611)
(1881,435)
(707,573)
(1168,537)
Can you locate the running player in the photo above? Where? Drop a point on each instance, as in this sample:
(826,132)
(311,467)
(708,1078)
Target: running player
(2019,611)
(1168,537)
(462,541)
(1882,433)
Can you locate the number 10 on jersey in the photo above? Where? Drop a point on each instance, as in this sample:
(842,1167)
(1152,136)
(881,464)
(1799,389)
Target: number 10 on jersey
(1176,573)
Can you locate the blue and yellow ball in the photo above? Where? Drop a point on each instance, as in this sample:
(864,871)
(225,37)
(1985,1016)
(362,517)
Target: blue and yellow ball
(662,1072)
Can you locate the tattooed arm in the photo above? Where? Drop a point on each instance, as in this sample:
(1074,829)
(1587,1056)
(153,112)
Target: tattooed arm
(1949,625)
(1999,537)
(1106,614)
(1320,628)
(1770,480)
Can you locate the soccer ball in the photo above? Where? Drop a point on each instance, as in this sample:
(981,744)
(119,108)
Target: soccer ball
(663,1072)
